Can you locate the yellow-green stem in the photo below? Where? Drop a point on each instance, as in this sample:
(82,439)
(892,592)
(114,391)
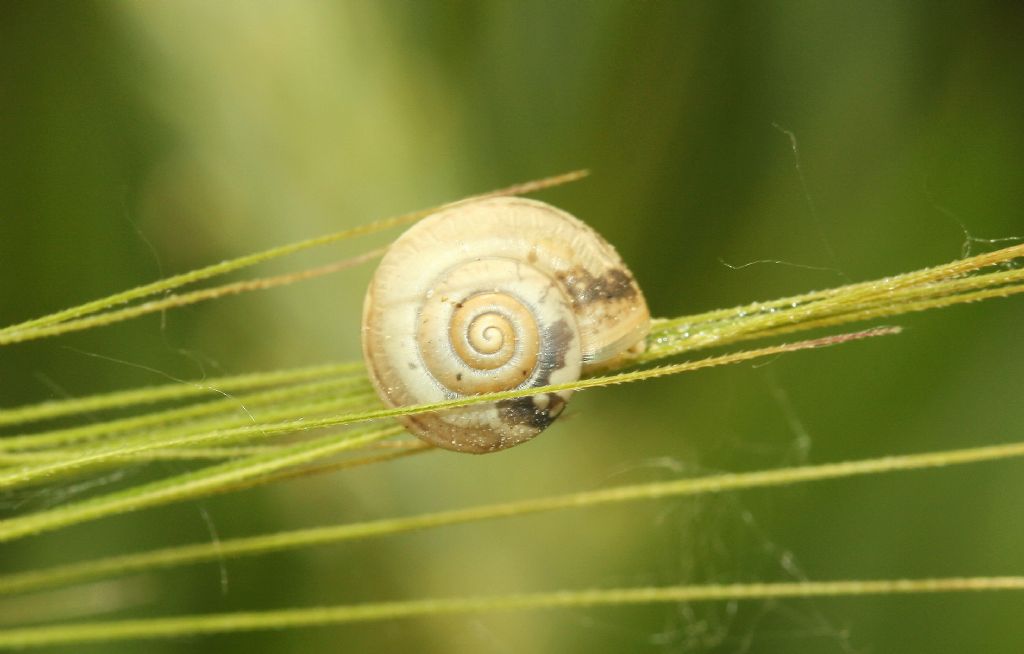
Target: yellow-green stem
(192,625)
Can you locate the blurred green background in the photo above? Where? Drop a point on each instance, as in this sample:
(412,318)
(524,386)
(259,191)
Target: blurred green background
(141,139)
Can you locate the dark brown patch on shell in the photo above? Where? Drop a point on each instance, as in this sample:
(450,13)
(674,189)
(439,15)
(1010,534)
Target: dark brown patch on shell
(524,411)
(557,338)
(585,288)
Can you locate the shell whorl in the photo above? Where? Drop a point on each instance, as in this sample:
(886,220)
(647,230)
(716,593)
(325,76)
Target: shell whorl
(492,295)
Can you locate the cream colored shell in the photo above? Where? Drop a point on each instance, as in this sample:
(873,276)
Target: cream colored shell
(490,295)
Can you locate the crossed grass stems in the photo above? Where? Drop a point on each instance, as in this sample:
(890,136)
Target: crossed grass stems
(313,420)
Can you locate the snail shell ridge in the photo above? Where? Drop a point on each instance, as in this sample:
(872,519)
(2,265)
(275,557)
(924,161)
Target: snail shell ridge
(490,295)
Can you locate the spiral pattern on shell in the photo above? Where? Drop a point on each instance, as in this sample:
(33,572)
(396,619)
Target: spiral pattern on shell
(492,295)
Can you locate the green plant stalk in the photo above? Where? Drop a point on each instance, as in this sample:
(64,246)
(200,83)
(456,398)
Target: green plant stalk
(348,419)
(190,485)
(334,615)
(104,454)
(860,291)
(855,303)
(687,333)
(185,299)
(664,343)
(887,312)
(173,392)
(890,297)
(181,454)
(189,454)
(138,447)
(941,286)
(669,341)
(23,331)
(758,320)
(718,483)
(852,305)
(148,421)
(408,448)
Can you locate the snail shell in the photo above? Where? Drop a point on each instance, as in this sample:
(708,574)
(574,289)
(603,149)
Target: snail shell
(490,295)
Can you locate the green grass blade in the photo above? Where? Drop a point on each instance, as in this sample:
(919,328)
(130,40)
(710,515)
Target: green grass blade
(189,485)
(182,300)
(148,421)
(222,431)
(216,386)
(931,288)
(101,455)
(719,483)
(19,332)
(193,625)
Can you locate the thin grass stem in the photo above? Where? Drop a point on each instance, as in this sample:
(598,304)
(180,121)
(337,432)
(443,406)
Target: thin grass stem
(148,421)
(193,625)
(288,540)
(909,293)
(185,299)
(24,331)
(180,390)
(104,454)
(190,485)
(222,431)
